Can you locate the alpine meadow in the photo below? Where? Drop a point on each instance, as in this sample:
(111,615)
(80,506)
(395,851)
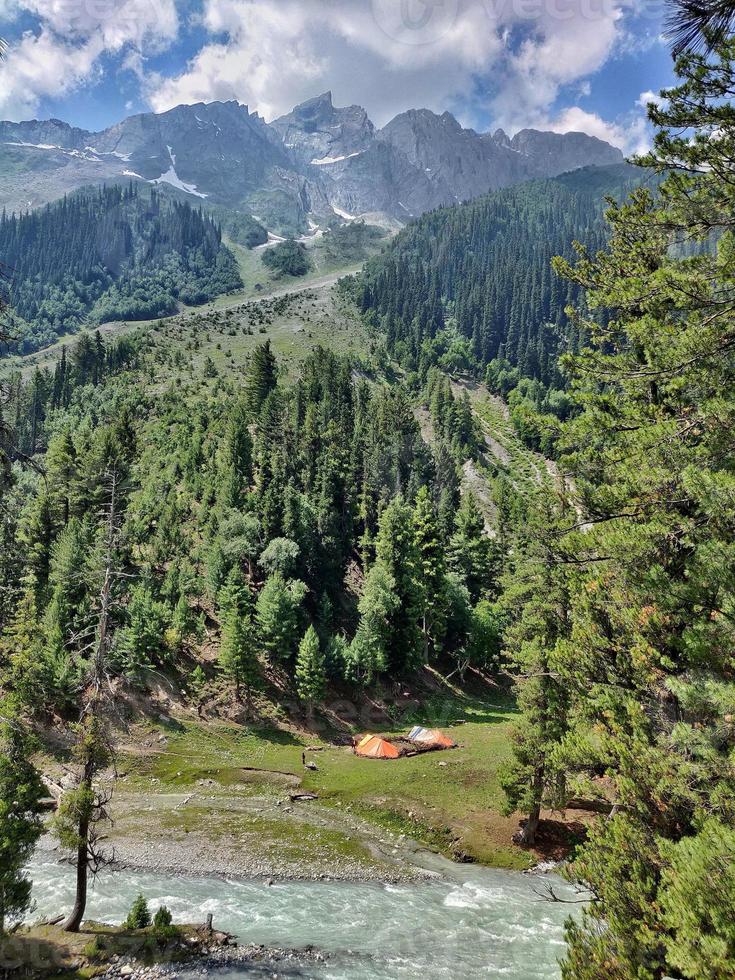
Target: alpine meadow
(367,491)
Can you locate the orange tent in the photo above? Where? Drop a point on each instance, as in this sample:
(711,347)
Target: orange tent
(374,747)
(431,736)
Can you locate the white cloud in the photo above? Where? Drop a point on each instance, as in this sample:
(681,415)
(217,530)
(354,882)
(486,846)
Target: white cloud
(9,10)
(647,97)
(113,23)
(384,54)
(631,135)
(388,55)
(42,65)
(64,52)
(562,50)
(275,55)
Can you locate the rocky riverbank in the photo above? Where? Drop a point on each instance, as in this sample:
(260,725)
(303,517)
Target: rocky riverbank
(218,957)
(118,953)
(255,837)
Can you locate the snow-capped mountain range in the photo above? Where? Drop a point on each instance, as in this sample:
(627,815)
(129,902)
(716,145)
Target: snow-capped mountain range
(316,162)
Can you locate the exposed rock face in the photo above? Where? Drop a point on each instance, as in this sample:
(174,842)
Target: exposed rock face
(219,151)
(459,163)
(550,154)
(318,159)
(220,146)
(317,134)
(462,164)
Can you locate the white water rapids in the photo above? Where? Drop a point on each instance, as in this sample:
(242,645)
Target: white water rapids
(478,923)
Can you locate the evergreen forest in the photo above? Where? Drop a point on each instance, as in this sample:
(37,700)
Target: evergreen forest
(115,253)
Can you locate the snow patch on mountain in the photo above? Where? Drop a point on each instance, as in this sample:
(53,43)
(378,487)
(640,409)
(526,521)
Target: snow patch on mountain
(172,178)
(33,146)
(324,161)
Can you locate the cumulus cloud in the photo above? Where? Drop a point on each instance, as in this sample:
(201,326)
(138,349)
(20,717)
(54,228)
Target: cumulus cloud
(559,51)
(275,55)
(507,60)
(646,98)
(72,35)
(388,55)
(631,135)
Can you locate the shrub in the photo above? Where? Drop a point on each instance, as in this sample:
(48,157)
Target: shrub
(139,917)
(163,930)
(162,918)
(289,258)
(95,950)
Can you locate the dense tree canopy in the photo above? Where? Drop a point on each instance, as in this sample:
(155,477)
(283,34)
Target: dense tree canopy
(257,511)
(486,268)
(110,254)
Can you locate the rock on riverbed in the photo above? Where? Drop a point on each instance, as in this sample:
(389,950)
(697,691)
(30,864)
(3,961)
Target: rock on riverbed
(215,957)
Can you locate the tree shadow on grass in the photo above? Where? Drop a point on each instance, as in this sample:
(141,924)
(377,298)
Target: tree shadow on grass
(441,712)
(276,736)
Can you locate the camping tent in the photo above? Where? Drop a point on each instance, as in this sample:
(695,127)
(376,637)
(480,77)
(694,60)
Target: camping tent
(431,736)
(375,747)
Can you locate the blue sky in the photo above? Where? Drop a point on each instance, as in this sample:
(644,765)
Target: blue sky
(557,64)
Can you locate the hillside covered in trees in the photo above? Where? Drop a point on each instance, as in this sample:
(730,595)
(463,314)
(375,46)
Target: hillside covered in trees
(108,254)
(257,510)
(471,287)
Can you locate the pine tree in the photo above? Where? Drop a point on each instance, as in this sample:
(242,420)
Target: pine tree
(22,657)
(650,661)
(277,615)
(61,466)
(396,551)
(139,916)
(182,621)
(237,471)
(367,654)
(68,612)
(431,560)
(261,379)
(21,791)
(141,641)
(81,810)
(538,594)
(237,657)
(699,902)
(471,552)
(310,668)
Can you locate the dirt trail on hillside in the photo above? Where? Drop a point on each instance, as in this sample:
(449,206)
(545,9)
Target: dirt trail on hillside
(471,478)
(49,355)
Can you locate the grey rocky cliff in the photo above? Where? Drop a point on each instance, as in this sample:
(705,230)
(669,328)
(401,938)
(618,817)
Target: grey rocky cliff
(317,160)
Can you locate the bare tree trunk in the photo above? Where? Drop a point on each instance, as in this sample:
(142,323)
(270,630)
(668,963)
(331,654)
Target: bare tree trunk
(74,919)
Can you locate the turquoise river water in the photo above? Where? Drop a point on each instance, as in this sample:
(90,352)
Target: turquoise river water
(479,922)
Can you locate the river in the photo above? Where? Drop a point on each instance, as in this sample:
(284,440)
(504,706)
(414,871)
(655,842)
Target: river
(479,923)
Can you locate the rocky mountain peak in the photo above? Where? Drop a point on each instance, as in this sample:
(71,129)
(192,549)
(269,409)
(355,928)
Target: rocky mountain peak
(449,120)
(317,132)
(323,101)
(556,153)
(317,158)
